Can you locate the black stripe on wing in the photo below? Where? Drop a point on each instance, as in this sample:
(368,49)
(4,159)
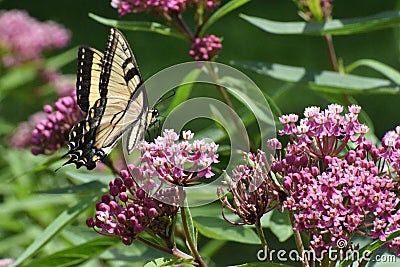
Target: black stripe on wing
(89,68)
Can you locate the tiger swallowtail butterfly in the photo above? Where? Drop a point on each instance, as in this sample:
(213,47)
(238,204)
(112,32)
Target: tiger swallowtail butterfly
(110,89)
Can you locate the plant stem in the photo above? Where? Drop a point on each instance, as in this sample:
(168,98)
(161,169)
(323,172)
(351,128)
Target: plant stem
(334,61)
(184,26)
(189,239)
(332,53)
(299,242)
(173,251)
(261,235)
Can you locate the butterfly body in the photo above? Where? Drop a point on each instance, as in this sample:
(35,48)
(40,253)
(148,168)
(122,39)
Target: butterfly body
(110,89)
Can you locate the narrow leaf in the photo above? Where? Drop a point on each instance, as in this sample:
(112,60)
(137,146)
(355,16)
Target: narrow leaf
(56,226)
(183,91)
(62,59)
(380,67)
(324,81)
(222,11)
(218,228)
(333,27)
(190,224)
(144,26)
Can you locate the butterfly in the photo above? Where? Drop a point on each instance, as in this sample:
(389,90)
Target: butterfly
(109,88)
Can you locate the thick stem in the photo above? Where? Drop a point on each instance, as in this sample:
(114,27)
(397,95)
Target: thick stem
(299,242)
(173,251)
(261,235)
(189,239)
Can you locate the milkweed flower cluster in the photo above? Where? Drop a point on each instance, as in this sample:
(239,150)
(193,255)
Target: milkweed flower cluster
(51,133)
(24,38)
(137,201)
(205,48)
(337,183)
(179,163)
(159,6)
(127,210)
(253,190)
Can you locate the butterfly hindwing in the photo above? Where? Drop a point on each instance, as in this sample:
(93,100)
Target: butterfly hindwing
(90,62)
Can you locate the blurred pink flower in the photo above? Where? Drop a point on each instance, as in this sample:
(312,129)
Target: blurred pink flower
(24,38)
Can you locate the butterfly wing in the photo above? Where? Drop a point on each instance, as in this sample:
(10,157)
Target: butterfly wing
(121,87)
(121,103)
(90,64)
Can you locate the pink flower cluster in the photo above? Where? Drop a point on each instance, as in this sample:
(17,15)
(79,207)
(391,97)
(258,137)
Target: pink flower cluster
(127,210)
(51,133)
(254,192)
(324,133)
(24,38)
(205,48)
(159,6)
(334,192)
(182,163)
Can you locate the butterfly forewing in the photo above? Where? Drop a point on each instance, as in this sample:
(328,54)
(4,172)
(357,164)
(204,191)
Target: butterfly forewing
(120,83)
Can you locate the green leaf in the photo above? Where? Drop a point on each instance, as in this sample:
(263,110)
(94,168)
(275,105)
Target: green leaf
(218,228)
(56,226)
(323,81)
(369,249)
(62,59)
(333,27)
(144,26)
(16,77)
(220,12)
(92,186)
(280,225)
(183,91)
(380,67)
(76,255)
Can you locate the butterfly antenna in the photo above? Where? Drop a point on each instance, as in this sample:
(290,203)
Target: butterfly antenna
(162,99)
